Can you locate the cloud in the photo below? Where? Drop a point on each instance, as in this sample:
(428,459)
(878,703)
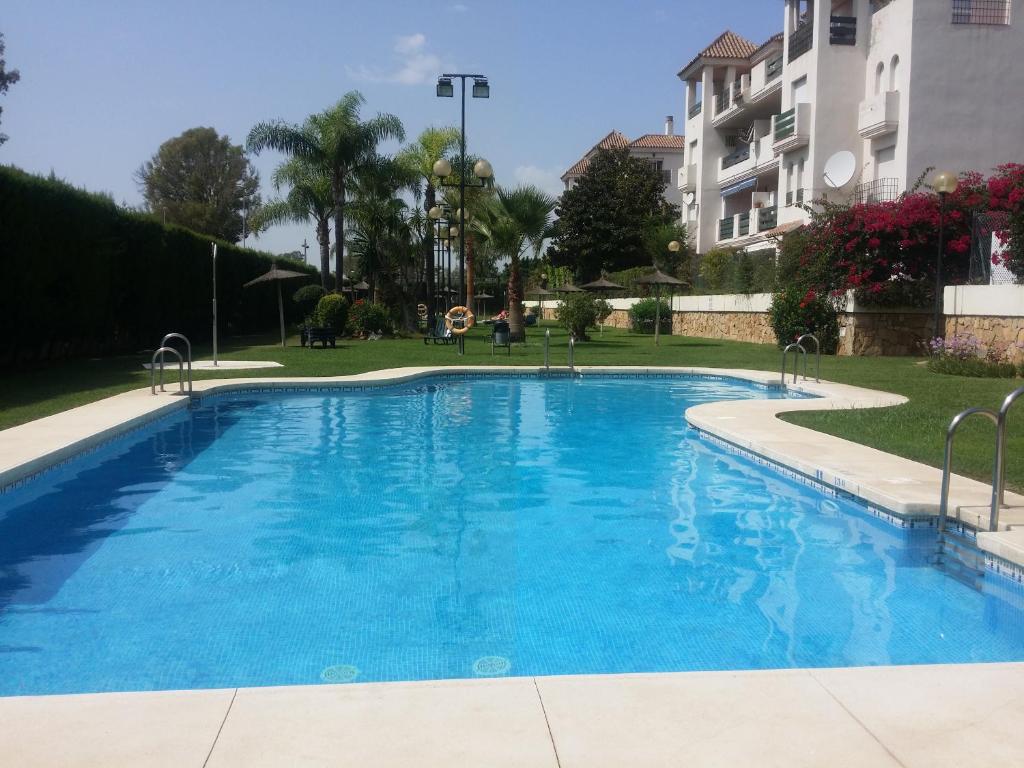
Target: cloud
(546,179)
(413,65)
(458,7)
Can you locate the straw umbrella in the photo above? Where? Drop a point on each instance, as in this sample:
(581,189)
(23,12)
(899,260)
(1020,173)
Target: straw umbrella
(540,292)
(479,299)
(658,279)
(277,275)
(603,286)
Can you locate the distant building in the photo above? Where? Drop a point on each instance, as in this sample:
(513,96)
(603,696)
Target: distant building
(664,151)
(900,85)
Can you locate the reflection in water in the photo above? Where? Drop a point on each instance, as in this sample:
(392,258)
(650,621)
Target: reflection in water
(556,526)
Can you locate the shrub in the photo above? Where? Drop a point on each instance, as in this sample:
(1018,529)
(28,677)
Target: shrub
(307,298)
(579,311)
(368,318)
(963,355)
(642,315)
(715,269)
(331,312)
(794,313)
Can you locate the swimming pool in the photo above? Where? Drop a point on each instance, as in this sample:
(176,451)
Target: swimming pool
(458,528)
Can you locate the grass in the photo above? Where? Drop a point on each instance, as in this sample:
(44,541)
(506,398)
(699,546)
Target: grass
(915,430)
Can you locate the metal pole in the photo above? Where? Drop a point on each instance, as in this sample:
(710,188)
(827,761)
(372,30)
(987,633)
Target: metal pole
(214,304)
(937,318)
(462,200)
(280,310)
(657,315)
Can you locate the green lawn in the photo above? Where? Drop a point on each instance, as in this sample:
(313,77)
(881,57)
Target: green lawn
(915,430)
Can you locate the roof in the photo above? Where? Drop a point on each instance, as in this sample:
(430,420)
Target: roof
(659,141)
(771,42)
(727,45)
(782,229)
(613,140)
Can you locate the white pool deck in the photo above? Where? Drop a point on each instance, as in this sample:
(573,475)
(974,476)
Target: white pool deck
(949,715)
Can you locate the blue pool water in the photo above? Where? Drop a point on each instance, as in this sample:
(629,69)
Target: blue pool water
(455,529)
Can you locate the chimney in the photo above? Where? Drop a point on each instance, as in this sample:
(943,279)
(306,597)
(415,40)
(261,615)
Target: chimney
(669,125)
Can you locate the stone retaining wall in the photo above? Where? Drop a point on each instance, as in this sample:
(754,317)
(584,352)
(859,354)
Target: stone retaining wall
(884,333)
(1005,332)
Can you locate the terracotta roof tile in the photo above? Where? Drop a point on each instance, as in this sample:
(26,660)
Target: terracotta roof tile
(659,141)
(727,45)
(613,140)
(775,39)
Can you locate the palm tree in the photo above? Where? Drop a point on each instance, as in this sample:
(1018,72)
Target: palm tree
(476,197)
(336,141)
(419,157)
(517,219)
(309,197)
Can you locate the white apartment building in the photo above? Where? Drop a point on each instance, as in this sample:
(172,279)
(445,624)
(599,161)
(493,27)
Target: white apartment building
(873,91)
(664,151)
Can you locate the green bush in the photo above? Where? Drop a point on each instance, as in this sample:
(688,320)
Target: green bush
(83,277)
(331,312)
(579,311)
(307,298)
(794,312)
(366,318)
(715,269)
(975,367)
(642,316)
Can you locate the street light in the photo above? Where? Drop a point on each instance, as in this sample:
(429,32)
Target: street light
(482,169)
(674,246)
(945,183)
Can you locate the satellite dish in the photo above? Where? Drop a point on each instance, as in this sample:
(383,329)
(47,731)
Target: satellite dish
(688,198)
(839,169)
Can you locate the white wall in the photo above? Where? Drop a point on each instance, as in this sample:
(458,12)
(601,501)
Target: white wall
(985,300)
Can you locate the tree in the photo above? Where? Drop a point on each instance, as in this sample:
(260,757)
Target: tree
(309,197)
(338,142)
(7,79)
(514,221)
(202,181)
(420,156)
(603,220)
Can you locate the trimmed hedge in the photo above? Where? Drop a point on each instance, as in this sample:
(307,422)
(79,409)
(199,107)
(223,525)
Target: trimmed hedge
(83,277)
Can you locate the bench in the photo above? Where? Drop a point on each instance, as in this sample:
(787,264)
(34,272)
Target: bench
(323,335)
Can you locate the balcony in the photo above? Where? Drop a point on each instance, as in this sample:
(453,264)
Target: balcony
(879,114)
(800,41)
(773,68)
(737,156)
(688,177)
(792,128)
(749,160)
(747,223)
(878,191)
(842,30)
(756,92)
(694,110)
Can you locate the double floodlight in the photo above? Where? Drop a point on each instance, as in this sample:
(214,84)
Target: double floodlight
(446,87)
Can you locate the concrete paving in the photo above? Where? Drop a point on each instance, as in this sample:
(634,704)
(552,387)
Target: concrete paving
(916,717)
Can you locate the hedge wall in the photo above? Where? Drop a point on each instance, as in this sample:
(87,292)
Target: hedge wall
(83,277)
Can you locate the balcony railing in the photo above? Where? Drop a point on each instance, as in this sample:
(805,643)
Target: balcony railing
(744,224)
(981,12)
(785,124)
(877,191)
(800,41)
(737,91)
(842,30)
(721,101)
(767,218)
(737,156)
(773,68)
(725,228)
(694,110)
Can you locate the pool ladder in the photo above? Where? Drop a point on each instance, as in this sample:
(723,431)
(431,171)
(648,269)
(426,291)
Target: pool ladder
(797,348)
(547,354)
(954,550)
(158,360)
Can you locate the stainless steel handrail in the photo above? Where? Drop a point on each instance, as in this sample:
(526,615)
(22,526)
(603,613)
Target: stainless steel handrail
(794,346)
(817,356)
(572,351)
(153,365)
(188,349)
(947,460)
(999,481)
(547,343)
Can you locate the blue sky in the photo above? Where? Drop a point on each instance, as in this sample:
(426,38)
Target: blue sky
(104,83)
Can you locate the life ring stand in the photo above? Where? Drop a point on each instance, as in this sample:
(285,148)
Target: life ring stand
(463,315)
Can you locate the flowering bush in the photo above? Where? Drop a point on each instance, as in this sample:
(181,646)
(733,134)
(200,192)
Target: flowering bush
(963,355)
(367,318)
(1006,195)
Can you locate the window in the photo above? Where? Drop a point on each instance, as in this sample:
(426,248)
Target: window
(894,66)
(879,74)
(981,11)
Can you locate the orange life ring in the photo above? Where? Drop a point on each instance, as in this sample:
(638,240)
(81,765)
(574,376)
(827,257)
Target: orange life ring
(458,320)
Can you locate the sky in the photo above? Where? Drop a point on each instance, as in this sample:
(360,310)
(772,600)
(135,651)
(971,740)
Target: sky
(104,83)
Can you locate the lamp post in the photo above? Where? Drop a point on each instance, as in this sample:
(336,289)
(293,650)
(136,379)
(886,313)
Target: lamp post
(482,169)
(945,183)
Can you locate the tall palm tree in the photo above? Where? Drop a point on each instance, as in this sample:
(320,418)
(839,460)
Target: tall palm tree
(337,141)
(430,146)
(476,199)
(516,220)
(309,197)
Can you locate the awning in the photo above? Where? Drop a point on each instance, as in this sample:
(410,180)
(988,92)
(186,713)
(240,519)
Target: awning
(748,184)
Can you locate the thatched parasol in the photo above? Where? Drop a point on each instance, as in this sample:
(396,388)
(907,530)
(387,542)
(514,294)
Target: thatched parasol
(277,275)
(657,278)
(602,285)
(568,288)
(362,285)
